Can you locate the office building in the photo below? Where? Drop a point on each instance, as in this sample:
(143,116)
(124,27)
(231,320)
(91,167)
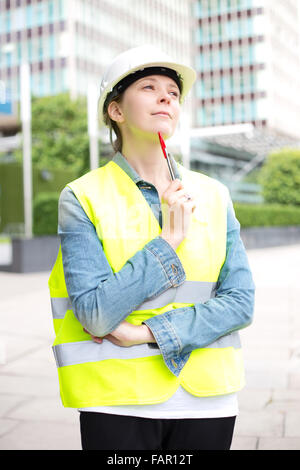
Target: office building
(248,63)
(69,42)
(248,60)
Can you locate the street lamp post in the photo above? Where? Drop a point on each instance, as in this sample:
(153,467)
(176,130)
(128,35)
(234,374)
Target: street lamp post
(93,125)
(25,101)
(25,110)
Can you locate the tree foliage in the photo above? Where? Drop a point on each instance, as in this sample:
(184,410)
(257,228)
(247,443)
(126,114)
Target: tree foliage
(280,177)
(59,133)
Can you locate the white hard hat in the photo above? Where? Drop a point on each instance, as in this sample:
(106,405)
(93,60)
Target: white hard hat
(138,59)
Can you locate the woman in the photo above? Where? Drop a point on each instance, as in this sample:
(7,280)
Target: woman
(152,282)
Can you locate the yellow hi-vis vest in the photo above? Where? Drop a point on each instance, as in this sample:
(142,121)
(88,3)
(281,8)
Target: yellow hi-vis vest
(92,374)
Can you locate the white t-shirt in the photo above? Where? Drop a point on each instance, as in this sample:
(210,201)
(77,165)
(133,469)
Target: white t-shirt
(181,405)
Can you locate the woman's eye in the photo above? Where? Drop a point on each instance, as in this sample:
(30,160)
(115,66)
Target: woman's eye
(151,87)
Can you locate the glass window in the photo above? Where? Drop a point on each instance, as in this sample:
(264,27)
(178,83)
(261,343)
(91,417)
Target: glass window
(220,31)
(199,35)
(236,83)
(235,56)
(250,26)
(253,110)
(8,59)
(206,88)
(198,9)
(63,78)
(61,9)
(29,16)
(39,14)
(253,82)
(241,57)
(221,59)
(16,20)
(50,11)
(52,82)
(227,113)
(226,85)
(51,46)
(232,112)
(8,21)
(239,110)
(19,52)
(214,31)
(222,86)
(200,62)
(201,116)
(219,114)
(231,63)
(200,89)
(40,49)
(209,115)
(29,49)
(40,81)
(251,54)
(234,29)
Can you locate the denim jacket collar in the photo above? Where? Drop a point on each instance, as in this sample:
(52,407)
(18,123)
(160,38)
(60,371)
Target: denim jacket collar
(120,160)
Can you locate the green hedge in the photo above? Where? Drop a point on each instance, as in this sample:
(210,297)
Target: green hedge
(11,190)
(45,214)
(265,215)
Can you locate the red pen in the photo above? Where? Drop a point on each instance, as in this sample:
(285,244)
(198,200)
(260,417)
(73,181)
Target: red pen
(166,155)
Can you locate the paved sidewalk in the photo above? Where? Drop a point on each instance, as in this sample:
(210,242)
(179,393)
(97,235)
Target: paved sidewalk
(31,416)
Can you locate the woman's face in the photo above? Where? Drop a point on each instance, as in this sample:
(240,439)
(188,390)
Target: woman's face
(148,106)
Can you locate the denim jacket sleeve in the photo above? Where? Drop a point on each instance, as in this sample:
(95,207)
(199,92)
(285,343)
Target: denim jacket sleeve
(178,332)
(100,298)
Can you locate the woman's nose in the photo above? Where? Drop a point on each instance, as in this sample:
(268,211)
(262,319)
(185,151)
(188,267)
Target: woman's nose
(164,97)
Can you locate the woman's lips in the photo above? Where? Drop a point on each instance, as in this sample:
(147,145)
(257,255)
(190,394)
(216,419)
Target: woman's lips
(162,113)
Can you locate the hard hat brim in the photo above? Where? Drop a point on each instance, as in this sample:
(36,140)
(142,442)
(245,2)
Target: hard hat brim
(186,73)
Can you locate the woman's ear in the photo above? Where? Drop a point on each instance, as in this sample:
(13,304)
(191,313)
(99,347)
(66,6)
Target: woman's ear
(115,112)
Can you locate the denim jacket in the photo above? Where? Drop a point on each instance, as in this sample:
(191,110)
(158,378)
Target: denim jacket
(101,299)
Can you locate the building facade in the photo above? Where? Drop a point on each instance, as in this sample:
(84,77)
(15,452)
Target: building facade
(248,62)
(68,43)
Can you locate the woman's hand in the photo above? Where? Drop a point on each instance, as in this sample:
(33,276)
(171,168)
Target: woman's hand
(176,209)
(126,335)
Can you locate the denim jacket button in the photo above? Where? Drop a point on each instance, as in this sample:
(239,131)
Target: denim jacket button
(174,363)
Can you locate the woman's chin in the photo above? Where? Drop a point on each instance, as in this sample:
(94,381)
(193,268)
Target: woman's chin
(152,133)
(165,131)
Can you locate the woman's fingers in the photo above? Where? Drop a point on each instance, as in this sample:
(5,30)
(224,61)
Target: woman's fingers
(97,339)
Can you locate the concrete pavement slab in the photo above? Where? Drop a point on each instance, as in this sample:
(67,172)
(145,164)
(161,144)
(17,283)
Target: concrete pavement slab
(284,443)
(41,435)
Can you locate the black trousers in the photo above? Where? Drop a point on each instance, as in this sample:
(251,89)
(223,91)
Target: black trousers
(103,431)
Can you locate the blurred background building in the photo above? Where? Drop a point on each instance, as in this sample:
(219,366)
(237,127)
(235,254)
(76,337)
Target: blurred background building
(68,43)
(248,51)
(248,63)
(246,100)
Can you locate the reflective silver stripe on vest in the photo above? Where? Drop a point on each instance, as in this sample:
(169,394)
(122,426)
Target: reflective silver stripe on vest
(59,306)
(190,292)
(68,354)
